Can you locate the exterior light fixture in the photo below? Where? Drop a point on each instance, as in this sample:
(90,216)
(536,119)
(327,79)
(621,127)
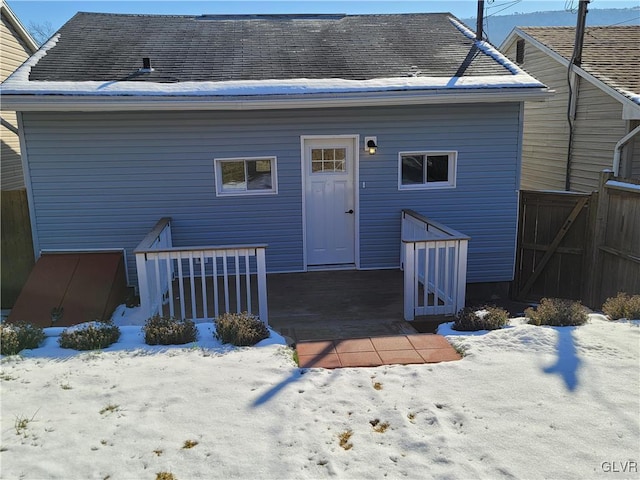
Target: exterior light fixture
(371,145)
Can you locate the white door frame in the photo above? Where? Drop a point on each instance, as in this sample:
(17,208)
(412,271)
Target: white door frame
(356,191)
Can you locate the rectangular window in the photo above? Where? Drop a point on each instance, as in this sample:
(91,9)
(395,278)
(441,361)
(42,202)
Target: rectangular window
(423,170)
(245,176)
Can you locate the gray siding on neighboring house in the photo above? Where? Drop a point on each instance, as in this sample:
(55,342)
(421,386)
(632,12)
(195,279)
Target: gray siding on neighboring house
(102,180)
(546,131)
(14,53)
(598,127)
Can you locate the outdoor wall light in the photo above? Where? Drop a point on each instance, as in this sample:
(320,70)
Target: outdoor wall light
(371,145)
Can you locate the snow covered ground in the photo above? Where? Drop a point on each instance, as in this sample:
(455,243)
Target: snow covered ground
(525,402)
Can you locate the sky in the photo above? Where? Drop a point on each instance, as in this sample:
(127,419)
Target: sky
(524,402)
(58,12)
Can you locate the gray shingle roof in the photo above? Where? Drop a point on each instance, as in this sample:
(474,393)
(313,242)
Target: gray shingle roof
(611,53)
(105,47)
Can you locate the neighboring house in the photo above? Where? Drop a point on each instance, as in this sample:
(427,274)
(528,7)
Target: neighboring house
(605,105)
(254,129)
(16,45)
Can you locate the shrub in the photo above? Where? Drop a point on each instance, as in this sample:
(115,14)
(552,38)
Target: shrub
(240,329)
(15,337)
(90,335)
(164,330)
(622,306)
(480,318)
(557,312)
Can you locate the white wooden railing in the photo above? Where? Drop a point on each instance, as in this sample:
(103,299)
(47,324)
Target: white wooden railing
(434,260)
(200,282)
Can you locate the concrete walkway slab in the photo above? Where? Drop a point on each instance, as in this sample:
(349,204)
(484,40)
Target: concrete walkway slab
(375,351)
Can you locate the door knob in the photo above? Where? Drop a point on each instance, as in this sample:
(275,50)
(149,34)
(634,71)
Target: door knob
(349,211)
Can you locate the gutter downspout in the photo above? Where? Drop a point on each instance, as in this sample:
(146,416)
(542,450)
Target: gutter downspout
(618,149)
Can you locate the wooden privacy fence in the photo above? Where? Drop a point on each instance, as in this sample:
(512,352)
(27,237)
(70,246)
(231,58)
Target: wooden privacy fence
(579,246)
(17,245)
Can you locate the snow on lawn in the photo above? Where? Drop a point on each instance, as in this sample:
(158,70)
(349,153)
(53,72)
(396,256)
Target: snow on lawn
(525,402)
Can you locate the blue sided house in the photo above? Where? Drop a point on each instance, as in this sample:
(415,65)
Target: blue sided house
(211,150)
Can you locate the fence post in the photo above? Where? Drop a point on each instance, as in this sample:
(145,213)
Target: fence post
(409,279)
(599,233)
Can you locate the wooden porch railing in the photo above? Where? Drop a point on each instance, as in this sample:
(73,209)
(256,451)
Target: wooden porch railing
(434,260)
(200,282)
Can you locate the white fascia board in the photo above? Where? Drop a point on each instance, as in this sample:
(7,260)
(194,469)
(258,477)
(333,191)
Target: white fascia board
(32,103)
(631,109)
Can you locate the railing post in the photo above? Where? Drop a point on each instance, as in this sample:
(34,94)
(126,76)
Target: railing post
(143,285)
(262,286)
(409,279)
(461,275)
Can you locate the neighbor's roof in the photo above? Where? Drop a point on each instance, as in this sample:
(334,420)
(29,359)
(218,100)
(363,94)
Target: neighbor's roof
(231,55)
(611,53)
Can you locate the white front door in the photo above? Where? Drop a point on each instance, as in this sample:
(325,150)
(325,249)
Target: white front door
(329,165)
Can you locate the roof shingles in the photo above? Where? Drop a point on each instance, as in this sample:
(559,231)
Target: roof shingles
(108,47)
(611,53)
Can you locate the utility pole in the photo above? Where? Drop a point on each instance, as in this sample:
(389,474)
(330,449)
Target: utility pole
(582,19)
(480,17)
(574,84)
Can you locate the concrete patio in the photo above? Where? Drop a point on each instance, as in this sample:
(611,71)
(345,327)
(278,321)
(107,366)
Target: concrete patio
(341,304)
(337,304)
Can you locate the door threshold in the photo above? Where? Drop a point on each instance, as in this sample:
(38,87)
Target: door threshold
(337,266)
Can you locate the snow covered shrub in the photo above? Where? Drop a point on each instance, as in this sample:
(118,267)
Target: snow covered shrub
(622,306)
(480,318)
(90,335)
(557,313)
(15,337)
(240,329)
(164,330)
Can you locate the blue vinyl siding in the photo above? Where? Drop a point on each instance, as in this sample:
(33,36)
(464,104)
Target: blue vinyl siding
(102,180)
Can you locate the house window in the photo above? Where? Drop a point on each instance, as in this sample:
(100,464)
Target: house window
(246,176)
(328,160)
(423,170)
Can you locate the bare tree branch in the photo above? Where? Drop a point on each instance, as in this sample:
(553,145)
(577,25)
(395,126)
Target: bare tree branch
(41,31)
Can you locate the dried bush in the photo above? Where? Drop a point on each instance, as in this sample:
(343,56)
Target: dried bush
(164,330)
(622,306)
(90,335)
(472,319)
(15,337)
(240,329)
(557,312)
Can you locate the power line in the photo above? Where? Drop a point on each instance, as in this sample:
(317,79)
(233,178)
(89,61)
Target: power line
(508,5)
(624,21)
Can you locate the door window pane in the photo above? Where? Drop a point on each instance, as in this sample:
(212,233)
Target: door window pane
(327,160)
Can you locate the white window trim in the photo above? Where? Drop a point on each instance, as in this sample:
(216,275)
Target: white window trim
(452,173)
(218,177)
